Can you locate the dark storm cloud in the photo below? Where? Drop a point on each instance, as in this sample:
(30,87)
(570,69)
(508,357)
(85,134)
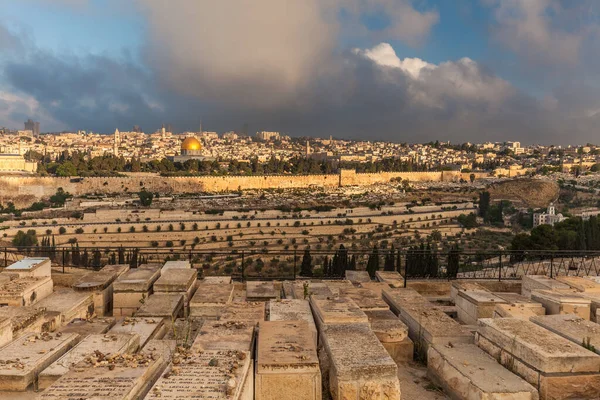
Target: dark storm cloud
(204,61)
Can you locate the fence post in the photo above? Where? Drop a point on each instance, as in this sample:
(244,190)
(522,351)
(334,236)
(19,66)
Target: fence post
(243,266)
(405,269)
(551,265)
(500,269)
(63,260)
(5,257)
(294,264)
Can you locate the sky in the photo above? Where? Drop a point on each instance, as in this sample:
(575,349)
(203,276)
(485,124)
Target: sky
(396,70)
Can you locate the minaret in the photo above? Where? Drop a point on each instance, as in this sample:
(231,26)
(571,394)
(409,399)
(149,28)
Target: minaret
(307,149)
(117,141)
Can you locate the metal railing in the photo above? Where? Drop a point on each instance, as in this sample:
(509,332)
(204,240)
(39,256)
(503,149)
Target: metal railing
(261,263)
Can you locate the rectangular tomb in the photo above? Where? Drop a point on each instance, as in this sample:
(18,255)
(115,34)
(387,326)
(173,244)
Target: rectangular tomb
(69,304)
(341,310)
(555,366)
(210,299)
(426,323)
(99,284)
(31,267)
(467,372)
(24,319)
(212,374)
(22,360)
(377,287)
(580,284)
(287,366)
(563,303)
(85,327)
(474,304)
(163,305)
(518,311)
(183,330)
(293,310)
(216,280)
(91,345)
(132,288)
(225,335)
(366,299)
(392,278)
(304,289)
(393,335)
(335,286)
(146,328)
(177,280)
(357,276)
(594,305)
(518,299)
(251,311)
(576,329)
(530,283)
(25,291)
(359,366)
(261,291)
(461,285)
(123,378)
(177,265)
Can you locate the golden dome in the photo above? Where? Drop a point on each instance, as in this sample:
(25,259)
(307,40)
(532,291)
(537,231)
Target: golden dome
(191,143)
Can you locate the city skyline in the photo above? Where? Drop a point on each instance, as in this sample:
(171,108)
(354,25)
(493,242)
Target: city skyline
(401,71)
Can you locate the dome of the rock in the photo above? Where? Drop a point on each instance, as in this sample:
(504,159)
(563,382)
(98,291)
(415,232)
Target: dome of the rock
(191,143)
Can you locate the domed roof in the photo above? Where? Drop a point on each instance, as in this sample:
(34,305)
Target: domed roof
(191,143)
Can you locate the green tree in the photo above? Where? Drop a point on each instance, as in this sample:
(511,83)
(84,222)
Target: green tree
(373,262)
(66,169)
(484,204)
(306,268)
(145,198)
(25,239)
(59,198)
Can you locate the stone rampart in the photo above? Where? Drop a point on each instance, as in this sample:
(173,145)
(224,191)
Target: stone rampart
(25,190)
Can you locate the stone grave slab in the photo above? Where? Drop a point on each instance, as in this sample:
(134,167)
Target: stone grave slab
(159,349)
(366,299)
(539,282)
(69,304)
(555,366)
(517,299)
(357,277)
(580,284)
(132,288)
(573,328)
(210,299)
(25,291)
(125,377)
(176,265)
(474,304)
(563,303)
(146,328)
(377,287)
(260,291)
(467,372)
(392,333)
(288,290)
(392,278)
(460,285)
(24,320)
(336,285)
(178,280)
(22,359)
(427,324)
(165,305)
(341,310)
(293,310)
(287,366)
(313,288)
(212,374)
(31,267)
(6,331)
(183,330)
(85,327)
(99,283)
(216,280)
(105,344)
(251,311)
(594,305)
(118,269)
(518,311)
(225,335)
(359,366)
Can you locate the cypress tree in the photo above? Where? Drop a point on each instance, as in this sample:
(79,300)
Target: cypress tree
(373,262)
(306,268)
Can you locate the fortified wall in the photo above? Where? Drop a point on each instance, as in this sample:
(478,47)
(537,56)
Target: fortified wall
(23,191)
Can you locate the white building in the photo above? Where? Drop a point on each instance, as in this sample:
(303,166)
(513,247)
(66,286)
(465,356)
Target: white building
(549,218)
(267,135)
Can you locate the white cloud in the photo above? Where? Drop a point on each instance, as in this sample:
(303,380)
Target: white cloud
(15,108)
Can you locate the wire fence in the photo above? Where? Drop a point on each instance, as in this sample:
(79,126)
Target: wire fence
(259,263)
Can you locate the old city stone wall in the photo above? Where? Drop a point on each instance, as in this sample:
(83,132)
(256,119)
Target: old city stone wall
(25,190)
